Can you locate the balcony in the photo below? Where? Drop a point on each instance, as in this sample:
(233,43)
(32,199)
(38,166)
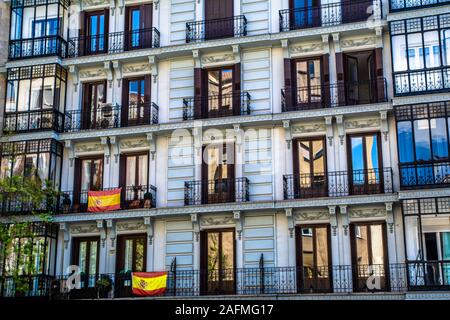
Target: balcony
(329,14)
(26,121)
(197,31)
(216,106)
(109,116)
(422,175)
(25,286)
(37,47)
(337,184)
(399,5)
(114,42)
(429,275)
(334,95)
(432,80)
(216,191)
(132,197)
(20,204)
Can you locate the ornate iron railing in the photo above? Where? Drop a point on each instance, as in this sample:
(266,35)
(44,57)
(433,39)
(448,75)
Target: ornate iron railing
(25,286)
(114,42)
(398,5)
(216,29)
(37,47)
(337,183)
(329,14)
(424,174)
(421,81)
(14,203)
(108,116)
(216,191)
(216,106)
(334,95)
(23,121)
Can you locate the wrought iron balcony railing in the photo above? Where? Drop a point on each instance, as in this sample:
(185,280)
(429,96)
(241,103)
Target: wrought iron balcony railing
(216,191)
(216,106)
(132,197)
(108,116)
(216,29)
(114,42)
(399,5)
(37,47)
(24,121)
(262,280)
(334,95)
(12,203)
(424,174)
(329,14)
(421,81)
(337,183)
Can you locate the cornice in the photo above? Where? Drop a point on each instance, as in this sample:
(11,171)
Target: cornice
(424,193)
(418,12)
(423,98)
(164,212)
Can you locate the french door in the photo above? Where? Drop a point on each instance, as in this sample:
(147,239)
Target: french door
(305,14)
(310,168)
(220,101)
(95,113)
(218,19)
(136,108)
(88,176)
(134,179)
(85,255)
(218,183)
(218,261)
(365,165)
(314,258)
(309,90)
(436,268)
(360,78)
(138,26)
(97,32)
(369,255)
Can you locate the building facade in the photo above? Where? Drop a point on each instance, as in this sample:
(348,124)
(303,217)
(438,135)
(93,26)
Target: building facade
(260,146)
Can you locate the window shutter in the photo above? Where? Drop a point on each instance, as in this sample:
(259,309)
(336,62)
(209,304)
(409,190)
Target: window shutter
(237,102)
(85,108)
(326,94)
(147,98)
(125,103)
(288,85)
(340,88)
(198,77)
(81,35)
(106,36)
(77,181)
(379,85)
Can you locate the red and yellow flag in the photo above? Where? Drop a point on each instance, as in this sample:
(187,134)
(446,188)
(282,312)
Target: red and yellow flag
(148,283)
(104,200)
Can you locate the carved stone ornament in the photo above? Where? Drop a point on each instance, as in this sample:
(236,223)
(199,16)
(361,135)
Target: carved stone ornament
(311,215)
(88,147)
(367,212)
(132,144)
(83,228)
(131,226)
(93,3)
(206,221)
(363,123)
(305,48)
(215,59)
(308,128)
(92,73)
(358,42)
(136,68)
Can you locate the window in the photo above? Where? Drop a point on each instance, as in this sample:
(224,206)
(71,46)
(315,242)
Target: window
(220,92)
(417,47)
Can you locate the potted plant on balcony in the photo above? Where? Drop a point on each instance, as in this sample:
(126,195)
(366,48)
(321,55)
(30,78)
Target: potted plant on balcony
(66,203)
(148,197)
(103,285)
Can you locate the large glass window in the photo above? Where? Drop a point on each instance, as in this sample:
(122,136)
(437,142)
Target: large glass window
(420,54)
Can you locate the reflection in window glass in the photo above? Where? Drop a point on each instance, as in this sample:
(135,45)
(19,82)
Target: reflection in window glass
(422,140)
(439,139)
(405,141)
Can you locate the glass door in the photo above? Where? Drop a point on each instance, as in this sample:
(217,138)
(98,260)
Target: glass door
(218,262)
(436,268)
(314,258)
(86,257)
(218,173)
(96,114)
(310,174)
(220,92)
(369,256)
(136,102)
(134,179)
(219,19)
(138,26)
(88,177)
(305,14)
(365,170)
(97,37)
(309,84)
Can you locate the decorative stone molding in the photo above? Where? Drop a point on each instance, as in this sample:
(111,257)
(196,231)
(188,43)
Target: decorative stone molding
(151,138)
(117,66)
(88,147)
(237,53)
(345,219)
(337,43)
(133,144)
(197,58)
(326,43)
(312,215)
(291,223)
(285,46)
(379,37)
(333,219)
(390,216)
(83,228)
(195,225)
(362,123)
(132,69)
(238,136)
(366,212)
(358,43)
(148,222)
(384,125)
(197,134)
(73,71)
(208,221)
(121,6)
(114,143)
(126,226)
(217,59)
(306,49)
(341,130)
(111,228)
(287,133)
(239,223)
(308,128)
(93,73)
(153,62)
(156,4)
(64,228)
(109,72)
(102,229)
(329,129)
(112,6)
(106,150)
(68,144)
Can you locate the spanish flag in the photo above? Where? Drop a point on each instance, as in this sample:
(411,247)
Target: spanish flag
(148,283)
(107,200)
